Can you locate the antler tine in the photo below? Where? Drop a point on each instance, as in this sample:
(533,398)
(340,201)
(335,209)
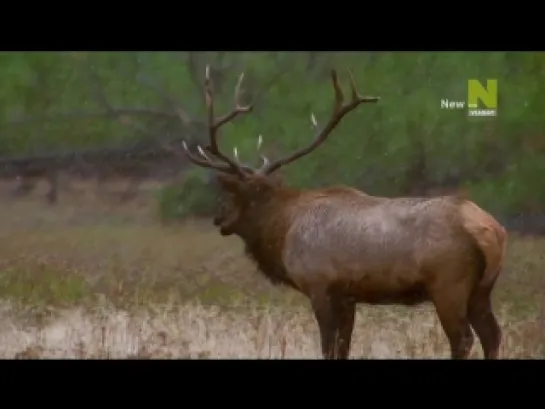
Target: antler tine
(313,120)
(353,87)
(339,95)
(355,94)
(340,109)
(239,162)
(209,102)
(264,163)
(238,109)
(202,153)
(264,160)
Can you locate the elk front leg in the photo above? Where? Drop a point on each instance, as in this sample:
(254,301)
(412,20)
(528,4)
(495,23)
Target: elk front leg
(335,317)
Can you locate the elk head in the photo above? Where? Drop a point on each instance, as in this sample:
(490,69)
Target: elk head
(245,188)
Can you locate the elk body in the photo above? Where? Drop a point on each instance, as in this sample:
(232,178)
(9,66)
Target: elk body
(340,246)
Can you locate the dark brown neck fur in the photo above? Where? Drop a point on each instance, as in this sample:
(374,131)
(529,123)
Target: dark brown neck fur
(266,223)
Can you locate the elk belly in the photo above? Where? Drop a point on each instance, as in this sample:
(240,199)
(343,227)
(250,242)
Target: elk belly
(396,279)
(390,288)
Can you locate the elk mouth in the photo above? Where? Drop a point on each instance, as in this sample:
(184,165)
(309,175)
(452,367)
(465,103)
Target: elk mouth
(226,231)
(218,220)
(225,226)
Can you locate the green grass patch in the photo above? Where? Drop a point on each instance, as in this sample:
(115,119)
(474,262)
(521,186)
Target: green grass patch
(44,286)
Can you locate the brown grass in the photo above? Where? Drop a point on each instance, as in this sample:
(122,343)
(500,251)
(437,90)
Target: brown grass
(95,279)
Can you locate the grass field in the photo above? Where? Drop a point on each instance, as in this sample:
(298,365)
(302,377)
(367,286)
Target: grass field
(87,278)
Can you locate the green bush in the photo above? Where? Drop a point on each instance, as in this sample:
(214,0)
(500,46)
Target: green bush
(194,196)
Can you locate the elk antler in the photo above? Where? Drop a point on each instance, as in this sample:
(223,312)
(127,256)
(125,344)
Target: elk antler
(230,166)
(340,109)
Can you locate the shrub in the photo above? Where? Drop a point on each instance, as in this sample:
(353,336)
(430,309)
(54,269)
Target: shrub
(193,196)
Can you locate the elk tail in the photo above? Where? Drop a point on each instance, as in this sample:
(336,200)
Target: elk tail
(491,237)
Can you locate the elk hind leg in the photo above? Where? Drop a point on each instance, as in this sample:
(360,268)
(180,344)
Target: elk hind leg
(335,317)
(451,307)
(484,322)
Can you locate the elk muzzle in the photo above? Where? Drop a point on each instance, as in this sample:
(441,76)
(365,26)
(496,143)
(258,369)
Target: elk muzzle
(218,220)
(227,222)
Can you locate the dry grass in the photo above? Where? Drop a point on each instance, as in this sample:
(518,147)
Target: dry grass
(192,330)
(93,279)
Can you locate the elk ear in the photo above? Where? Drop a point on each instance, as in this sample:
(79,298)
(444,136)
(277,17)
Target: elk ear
(229,183)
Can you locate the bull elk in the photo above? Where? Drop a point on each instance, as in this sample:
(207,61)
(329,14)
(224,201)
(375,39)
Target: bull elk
(340,246)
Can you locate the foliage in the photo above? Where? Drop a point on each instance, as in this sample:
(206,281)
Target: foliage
(192,197)
(60,100)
